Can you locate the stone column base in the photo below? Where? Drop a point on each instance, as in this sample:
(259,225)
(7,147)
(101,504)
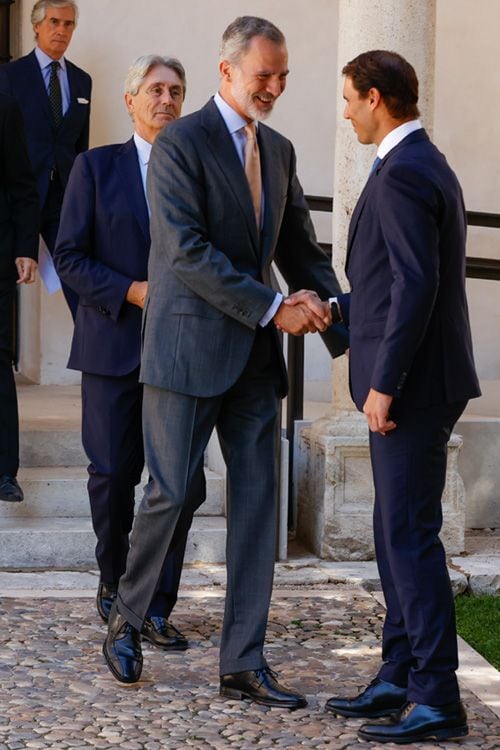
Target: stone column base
(335,490)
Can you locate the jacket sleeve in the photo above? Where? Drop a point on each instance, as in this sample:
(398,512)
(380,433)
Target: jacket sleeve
(409,222)
(302,262)
(75,253)
(21,185)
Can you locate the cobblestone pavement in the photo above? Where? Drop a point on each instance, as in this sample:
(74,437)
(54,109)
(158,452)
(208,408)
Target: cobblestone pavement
(55,691)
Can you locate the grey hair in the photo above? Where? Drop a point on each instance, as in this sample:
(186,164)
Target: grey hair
(41,6)
(141,67)
(240,32)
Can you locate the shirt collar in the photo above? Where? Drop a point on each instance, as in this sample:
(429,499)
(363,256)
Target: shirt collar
(143,149)
(396,136)
(44,60)
(233,120)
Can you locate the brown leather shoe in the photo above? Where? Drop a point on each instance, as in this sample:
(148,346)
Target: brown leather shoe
(162,634)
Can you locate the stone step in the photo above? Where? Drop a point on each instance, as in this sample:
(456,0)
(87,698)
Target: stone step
(40,446)
(68,543)
(61,492)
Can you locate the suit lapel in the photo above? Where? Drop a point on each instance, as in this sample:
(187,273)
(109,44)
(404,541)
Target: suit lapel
(356,215)
(271,184)
(127,165)
(40,90)
(224,152)
(371,184)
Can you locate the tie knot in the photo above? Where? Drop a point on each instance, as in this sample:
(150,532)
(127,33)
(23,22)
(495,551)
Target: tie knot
(250,131)
(375,165)
(54,66)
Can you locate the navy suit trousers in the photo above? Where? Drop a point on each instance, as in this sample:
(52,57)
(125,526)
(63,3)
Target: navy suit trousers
(419,648)
(112,439)
(9,424)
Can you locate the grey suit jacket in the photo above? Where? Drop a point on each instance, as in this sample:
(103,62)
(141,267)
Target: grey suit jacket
(210,279)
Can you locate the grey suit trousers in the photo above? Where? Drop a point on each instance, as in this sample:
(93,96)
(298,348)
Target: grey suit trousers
(177,428)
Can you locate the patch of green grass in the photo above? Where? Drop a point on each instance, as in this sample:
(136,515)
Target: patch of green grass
(478,622)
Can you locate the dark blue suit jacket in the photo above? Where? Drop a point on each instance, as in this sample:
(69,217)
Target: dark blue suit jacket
(19,215)
(102,246)
(49,146)
(407,311)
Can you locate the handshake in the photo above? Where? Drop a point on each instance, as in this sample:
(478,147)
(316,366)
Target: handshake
(303,312)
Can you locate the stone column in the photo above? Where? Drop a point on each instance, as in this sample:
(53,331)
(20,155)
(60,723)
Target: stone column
(335,490)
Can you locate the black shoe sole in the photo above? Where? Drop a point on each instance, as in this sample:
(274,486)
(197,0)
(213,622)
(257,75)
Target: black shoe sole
(116,674)
(388,712)
(435,734)
(227,692)
(102,616)
(180,647)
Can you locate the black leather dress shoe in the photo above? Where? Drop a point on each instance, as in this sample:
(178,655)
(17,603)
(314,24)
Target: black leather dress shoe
(380,698)
(262,687)
(162,634)
(418,722)
(10,490)
(106,595)
(122,648)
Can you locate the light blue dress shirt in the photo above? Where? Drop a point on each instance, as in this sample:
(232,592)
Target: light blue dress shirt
(44,62)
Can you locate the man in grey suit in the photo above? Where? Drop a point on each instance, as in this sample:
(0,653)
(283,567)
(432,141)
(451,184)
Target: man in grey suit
(211,352)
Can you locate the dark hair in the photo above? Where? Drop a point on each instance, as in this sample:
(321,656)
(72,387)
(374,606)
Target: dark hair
(390,74)
(240,32)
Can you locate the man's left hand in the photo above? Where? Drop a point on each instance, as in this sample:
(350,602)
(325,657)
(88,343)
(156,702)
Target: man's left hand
(26,270)
(376,409)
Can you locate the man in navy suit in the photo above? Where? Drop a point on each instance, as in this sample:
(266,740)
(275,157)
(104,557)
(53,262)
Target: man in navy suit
(102,254)
(54,96)
(411,373)
(18,254)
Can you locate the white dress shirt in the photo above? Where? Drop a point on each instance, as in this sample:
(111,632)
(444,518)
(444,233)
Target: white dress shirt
(143,154)
(396,136)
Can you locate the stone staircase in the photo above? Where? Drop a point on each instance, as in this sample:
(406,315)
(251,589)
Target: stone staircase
(52,527)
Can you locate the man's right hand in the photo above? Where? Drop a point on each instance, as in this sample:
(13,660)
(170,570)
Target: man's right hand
(136,294)
(314,303)
(298,319)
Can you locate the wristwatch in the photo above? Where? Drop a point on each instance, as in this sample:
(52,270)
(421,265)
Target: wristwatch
(336,311)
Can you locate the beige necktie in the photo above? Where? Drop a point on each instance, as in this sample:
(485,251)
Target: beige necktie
(252,169)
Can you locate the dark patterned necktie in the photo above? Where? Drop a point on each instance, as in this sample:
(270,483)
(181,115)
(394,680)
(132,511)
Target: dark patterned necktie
(55,95)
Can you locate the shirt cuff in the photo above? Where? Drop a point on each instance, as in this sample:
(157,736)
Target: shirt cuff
(269,315)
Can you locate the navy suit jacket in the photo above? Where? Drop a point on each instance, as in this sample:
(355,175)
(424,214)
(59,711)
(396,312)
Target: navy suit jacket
(407,310)
(210,278)
(19,213)
(102,246)
(49,146)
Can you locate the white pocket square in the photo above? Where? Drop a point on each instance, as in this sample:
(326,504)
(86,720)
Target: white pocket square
(82,100)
